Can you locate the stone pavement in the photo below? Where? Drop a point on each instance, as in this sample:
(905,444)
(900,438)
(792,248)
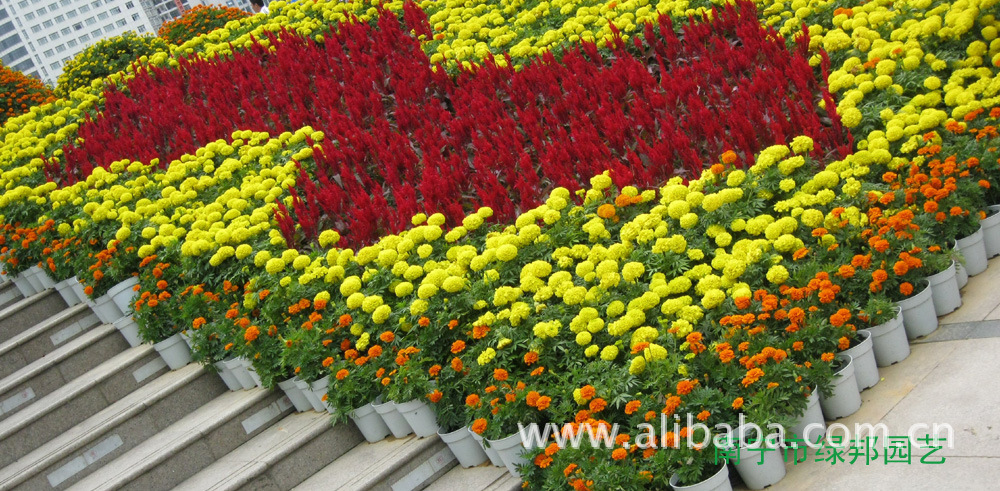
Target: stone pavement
(952,377)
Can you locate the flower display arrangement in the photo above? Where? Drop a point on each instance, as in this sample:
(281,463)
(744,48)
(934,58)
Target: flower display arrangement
(20,92)
(425,239)
(199,20)
(103,58)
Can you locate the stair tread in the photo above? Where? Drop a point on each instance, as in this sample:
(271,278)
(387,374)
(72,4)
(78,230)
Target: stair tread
(59,354)
(94,426)
(255,456)
(505,483)
(366,464)
(172,440)
(41,327)
(77,386)
(479,477)
(18,305)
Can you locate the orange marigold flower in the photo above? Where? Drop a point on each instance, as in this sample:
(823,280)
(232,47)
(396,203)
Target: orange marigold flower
(728,157)
(717,169)
(530,357)
(906,289)
(342,374)
(435,396)
(479,426)
(472,400)
(827,357)
(327,362)
(456,364)
(632,407)
(619,454)
(424,322)
(532,398)
(606,210)
(702,416)
(587,391)
(251,333)
(479,332)
(500,374)
(597,405)
(200,321)
(752,376)
(737,403)
(542,460)
(457,346)
(543,403)
(434,370)
(387,337)
(685,387)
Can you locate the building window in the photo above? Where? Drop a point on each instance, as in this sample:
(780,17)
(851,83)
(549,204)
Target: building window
(53,6)
(47,24)
(29,16)
(78,26)
(96,33)
(135,17)
(36,28)
(60,18)
(23,4)
(65,3)
(54,66)
(116,11)
(71,14)
(91,21)
(65,31)
(129,5)
(102,15)
(71,43)
(48,53)
(60,48)
(95,3)
(41,11)
(120,23)
(84,38)
(141,29)
(43,41)
(108,29)
(84,8)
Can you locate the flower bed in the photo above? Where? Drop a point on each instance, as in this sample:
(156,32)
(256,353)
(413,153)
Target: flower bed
(429,141)
(727,293)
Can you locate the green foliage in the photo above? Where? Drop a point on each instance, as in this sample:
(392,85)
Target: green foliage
(104,58)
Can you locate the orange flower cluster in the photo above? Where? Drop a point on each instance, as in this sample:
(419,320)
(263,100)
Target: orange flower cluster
(20,93)
(200,20)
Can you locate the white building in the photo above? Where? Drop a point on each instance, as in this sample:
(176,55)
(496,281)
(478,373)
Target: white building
(38,37)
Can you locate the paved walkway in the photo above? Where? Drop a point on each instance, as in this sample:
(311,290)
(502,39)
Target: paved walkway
(952,376)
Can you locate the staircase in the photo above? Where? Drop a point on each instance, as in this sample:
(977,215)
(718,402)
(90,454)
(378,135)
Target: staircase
(81,409)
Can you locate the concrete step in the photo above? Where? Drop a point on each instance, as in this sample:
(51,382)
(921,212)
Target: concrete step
(131,420)
(193,443)
(485,476)
(38,340)
(81,398)
(394,463)
(9,294)
(54,370)
(27,312)
(505,483)
(279,458)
